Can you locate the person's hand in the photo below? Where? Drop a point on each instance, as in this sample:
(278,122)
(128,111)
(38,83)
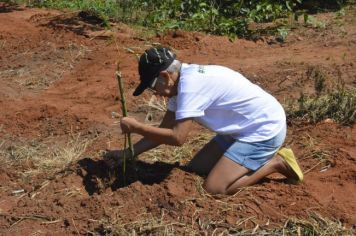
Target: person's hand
(129,125)
(114,158)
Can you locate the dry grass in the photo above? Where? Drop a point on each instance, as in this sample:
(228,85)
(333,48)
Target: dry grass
(37,62)
(147,224)
(43,157)
(154,107)
(157,104)
(315,150)
(2,44)
(315,225)
(183,154)
(63,156)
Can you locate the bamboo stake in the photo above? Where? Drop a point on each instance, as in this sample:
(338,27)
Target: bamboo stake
(123,103)
(124,112)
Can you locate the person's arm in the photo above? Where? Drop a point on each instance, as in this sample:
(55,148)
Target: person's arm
(146,144)
(176,131)
(170,131)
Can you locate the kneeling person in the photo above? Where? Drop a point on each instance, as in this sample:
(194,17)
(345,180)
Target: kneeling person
(250,123)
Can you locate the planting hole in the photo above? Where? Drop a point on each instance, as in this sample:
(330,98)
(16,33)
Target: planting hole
(97,176)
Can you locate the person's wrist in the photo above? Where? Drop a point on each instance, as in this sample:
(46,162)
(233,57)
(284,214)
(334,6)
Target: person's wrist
(137,127)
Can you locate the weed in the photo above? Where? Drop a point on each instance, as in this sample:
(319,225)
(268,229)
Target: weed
(283,32)
(310,20)
(319,77)
(339,106)
(335,103)
(339,14)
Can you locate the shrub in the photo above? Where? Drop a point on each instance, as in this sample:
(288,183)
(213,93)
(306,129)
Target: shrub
(339,105)
(223,17)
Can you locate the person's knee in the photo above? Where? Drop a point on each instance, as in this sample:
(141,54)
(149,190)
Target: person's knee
(213,188)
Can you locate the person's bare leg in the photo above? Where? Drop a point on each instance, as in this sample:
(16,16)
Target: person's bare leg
(276,165)
(227,176)
(224,173)
(253,178)
(206,158)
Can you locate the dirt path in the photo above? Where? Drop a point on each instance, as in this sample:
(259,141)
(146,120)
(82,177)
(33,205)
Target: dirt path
(58,81)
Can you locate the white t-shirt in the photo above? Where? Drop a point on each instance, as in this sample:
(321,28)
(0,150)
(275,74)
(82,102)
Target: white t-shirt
(226,102)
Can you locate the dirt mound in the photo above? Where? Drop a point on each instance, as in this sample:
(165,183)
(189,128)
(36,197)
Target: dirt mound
(58,82)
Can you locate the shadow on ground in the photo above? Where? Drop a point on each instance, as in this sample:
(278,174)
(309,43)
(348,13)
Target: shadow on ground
(6,7)
(78,22)
(98,176)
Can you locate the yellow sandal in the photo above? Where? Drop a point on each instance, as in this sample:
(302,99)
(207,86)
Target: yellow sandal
(288,156)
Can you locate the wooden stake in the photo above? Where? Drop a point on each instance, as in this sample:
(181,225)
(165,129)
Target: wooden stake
(123,103)
(124,113)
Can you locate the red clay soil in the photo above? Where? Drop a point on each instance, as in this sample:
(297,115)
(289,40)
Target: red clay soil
(57,78)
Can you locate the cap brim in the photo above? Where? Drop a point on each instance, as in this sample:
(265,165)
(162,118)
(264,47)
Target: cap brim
(140,88)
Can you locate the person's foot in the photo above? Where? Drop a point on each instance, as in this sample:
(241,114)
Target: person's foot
(285,169)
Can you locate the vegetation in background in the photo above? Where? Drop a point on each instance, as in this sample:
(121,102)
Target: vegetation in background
(218,17)
(338,104)
(222,17)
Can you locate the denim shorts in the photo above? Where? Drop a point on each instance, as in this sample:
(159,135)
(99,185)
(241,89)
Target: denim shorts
(251,155)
